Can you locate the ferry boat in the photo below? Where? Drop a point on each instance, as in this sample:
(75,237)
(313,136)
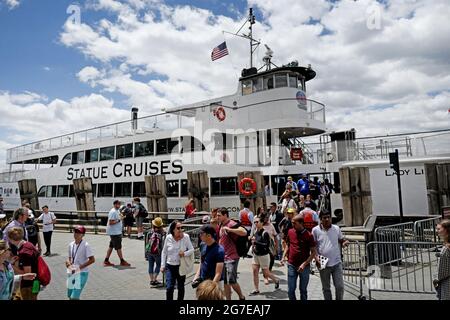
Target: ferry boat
(260,127)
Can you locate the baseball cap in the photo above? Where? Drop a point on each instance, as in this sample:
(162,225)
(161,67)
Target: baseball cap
(206,219)
(291,210)
(79,229)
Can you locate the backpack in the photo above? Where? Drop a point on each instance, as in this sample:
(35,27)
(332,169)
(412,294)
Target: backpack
(245,220)
(31,230)
(44,276)
(142,212)
(241,242)
(309,222)
(153,247)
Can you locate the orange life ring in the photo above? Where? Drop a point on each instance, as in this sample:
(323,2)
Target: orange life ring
(220,114)
(243,190)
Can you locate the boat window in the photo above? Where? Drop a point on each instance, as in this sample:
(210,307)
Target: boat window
(105,190)
(124,151)
(190,144)
(42,191)
(91,155)
(301,83)
(17,191)
(49,160)
(257,84)
(67,160)
(184,188)
(172,188)
(122,189)
(94,190)
(63,191)
(166,146)
(246,87)
(292,80)
(1,190)
(71,192)
(107,153)
(139,189)
(51,192)
(223,141)
(78,157)
(268,82)
(142,149)
(224,186)
(281,80)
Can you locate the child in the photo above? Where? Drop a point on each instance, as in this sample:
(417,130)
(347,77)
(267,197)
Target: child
(80,257)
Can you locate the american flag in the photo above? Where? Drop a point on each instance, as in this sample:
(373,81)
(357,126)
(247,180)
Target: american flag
(219,51)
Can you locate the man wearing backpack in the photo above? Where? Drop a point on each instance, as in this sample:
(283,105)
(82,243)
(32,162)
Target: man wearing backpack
(140,213)
(229,233)
(310,217)
(153,250)
(26,261)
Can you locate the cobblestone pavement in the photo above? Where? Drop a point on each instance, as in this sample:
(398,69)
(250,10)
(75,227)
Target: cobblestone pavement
(132,283)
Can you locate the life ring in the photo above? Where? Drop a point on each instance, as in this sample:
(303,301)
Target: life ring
(243,190)
(220,114)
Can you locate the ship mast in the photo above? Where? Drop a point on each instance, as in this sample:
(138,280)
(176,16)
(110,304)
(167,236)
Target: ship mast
(253,43)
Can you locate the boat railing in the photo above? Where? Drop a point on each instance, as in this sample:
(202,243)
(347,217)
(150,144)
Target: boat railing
(162,121)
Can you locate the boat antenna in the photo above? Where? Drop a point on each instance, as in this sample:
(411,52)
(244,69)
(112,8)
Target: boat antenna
(253,43)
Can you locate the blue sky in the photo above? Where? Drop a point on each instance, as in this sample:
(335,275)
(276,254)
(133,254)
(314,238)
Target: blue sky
(33,58)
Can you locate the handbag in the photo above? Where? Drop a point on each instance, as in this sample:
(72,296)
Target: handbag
(186,264)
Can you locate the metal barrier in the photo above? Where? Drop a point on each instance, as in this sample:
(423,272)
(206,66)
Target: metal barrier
(353,264)
(395,232)
(401,267)
(425,230)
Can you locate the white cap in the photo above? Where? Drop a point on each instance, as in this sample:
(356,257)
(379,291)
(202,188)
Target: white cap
(2,216)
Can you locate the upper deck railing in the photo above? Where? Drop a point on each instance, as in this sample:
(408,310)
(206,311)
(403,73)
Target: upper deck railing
(163,121)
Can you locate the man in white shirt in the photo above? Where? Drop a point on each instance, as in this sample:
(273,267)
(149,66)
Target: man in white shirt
(48,219)
(79,259)
(114,230)
(329,238)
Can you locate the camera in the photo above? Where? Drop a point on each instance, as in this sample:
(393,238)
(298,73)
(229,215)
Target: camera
(196,282)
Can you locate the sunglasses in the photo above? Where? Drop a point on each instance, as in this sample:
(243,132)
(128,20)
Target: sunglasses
(256,222)
(180,228)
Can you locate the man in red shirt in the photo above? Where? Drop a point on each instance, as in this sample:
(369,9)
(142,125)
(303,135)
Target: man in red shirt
(301,249)
(228,235)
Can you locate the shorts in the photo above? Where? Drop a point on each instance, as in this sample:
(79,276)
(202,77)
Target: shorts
(116,241)
(262,261)
(139,221)
(128,222)
(75,285)
(230,272)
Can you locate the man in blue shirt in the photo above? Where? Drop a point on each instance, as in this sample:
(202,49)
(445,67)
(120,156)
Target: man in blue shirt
(212,256)
(303,185)
(114,230)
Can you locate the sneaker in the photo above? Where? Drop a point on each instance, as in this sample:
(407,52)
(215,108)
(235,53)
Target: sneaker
(108,264)
(46,254)
(123,263)
(152,284)
(277,284)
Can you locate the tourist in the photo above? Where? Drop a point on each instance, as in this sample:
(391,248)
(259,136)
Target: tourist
(312,204)
(228,234)
(7,277)
(292,183)
(20,216)
(246,217)
(329,239)
(212,257)
(32,229)
(78,262)
(153,250)
(261,259)
(114,230)
(288,202)
(442,281)
(284,226)
(275,218)
(303,185)
(140,213)
(177,246)
(128,219)
(189,209)
(26,263)
(48,219)
(301,249)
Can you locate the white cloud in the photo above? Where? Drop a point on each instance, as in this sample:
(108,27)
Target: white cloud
(12,4)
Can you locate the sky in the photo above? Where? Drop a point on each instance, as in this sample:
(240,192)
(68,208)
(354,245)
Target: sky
(382,67)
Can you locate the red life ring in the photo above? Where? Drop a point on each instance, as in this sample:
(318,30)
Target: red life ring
(220,114)
(243,190)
